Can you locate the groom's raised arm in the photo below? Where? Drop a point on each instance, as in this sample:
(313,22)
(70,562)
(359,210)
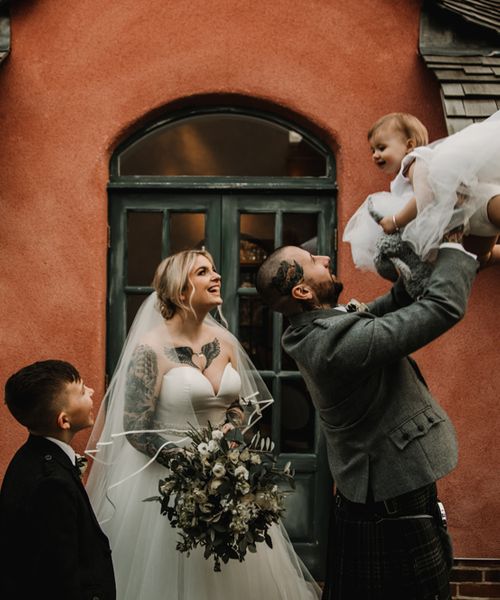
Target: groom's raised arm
(369,342)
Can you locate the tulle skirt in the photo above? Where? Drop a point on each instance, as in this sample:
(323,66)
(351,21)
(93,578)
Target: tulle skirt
(362,232)
(461,173)
(148,566)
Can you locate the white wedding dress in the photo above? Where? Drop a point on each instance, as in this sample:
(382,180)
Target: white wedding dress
(147,564)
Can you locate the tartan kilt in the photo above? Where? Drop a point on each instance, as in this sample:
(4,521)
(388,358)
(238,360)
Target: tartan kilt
(391,557)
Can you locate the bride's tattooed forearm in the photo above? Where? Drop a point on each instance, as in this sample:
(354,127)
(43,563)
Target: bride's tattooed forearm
(287,277)
(184,354)
(140,402)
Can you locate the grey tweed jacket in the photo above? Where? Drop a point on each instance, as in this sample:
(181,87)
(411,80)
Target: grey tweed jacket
(384,430)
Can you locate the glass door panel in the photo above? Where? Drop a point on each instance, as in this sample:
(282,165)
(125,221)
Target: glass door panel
(300,229)
(142,234)
(240,231)
(143,258)
(255,327)
(252,227)
(186,230)
(298,420)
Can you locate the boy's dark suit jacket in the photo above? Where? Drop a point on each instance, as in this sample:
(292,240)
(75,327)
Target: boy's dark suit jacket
(52,546)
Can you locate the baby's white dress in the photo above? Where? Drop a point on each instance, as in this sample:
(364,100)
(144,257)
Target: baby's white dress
(453,181)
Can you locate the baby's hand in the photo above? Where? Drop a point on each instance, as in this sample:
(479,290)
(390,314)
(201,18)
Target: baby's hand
(388,225)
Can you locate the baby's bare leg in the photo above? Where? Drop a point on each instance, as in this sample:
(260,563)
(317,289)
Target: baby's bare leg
(495,256)
(494,211)
(484,248)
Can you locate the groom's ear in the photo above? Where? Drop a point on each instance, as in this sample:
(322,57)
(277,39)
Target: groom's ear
(301,291)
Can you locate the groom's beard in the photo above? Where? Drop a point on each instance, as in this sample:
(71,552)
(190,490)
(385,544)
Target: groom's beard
(327,295)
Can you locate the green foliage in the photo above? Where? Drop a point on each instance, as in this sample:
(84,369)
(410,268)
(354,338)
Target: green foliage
(223,494)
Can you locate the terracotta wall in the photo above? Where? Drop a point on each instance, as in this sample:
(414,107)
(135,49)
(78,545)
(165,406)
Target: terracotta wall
(83,75)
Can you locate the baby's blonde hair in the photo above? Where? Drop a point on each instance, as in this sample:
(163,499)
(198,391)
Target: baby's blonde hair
(408,125)
(171,281)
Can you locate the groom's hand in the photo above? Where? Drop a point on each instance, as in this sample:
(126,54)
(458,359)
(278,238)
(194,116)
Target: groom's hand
(455,236)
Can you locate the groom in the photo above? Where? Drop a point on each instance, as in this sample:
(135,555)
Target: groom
(388,440)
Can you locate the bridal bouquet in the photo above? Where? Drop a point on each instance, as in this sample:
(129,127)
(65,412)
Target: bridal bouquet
(223,494)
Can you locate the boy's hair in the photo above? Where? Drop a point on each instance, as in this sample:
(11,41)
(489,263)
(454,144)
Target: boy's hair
(408,125)
(31,394)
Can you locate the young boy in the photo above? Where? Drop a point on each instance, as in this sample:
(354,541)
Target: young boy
(50,541)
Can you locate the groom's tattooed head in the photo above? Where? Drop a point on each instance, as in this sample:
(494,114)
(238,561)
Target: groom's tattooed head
(287,277)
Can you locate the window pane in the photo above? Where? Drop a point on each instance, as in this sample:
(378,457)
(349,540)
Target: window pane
(255,331)
(297,418)
(134,302)
(256,242)
(223,145)
(187,231)
(297,518)
(144,232)
(301,229)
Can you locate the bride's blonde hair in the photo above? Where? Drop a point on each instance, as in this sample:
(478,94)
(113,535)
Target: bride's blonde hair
(171,282)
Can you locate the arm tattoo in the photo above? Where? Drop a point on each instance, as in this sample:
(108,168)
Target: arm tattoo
(287,276)
(184,354)
(140,402)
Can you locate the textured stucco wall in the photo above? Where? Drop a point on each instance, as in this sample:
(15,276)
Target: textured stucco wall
(83,75)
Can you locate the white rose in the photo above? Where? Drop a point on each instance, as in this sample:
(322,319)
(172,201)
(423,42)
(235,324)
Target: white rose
(219,470)
(241,472)
(234,456)
(203,448)
(214,485)
(243,487)
(213,446)
(217,434)
(200,496)
(167,487)
(255,459)
(245,455)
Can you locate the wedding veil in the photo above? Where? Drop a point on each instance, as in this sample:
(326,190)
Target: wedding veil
(114,459)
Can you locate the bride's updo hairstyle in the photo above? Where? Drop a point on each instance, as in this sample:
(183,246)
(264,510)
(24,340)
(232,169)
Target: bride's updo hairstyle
(171,282)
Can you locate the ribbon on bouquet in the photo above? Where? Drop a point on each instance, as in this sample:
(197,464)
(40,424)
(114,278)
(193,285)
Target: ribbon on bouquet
(257,405)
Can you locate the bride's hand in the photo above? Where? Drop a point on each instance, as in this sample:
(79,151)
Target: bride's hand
(226,428)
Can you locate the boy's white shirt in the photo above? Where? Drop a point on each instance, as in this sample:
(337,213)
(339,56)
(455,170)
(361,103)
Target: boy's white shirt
(64,446)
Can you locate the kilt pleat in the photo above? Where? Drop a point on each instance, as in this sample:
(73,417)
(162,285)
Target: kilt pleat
(397,558)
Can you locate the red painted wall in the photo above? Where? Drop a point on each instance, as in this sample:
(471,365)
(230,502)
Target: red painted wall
(83,75)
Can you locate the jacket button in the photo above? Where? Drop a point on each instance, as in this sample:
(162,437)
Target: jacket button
(406,436)
(96,598)
(420,427)
(48,457)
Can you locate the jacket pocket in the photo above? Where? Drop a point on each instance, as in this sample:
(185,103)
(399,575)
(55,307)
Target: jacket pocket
(416,426)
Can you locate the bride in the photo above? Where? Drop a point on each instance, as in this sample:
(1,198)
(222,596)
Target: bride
(178,368)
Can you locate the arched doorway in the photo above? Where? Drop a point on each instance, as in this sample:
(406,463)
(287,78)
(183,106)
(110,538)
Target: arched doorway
(240,183)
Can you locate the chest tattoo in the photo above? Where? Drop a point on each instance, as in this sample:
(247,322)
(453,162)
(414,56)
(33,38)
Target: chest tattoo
(199,360)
